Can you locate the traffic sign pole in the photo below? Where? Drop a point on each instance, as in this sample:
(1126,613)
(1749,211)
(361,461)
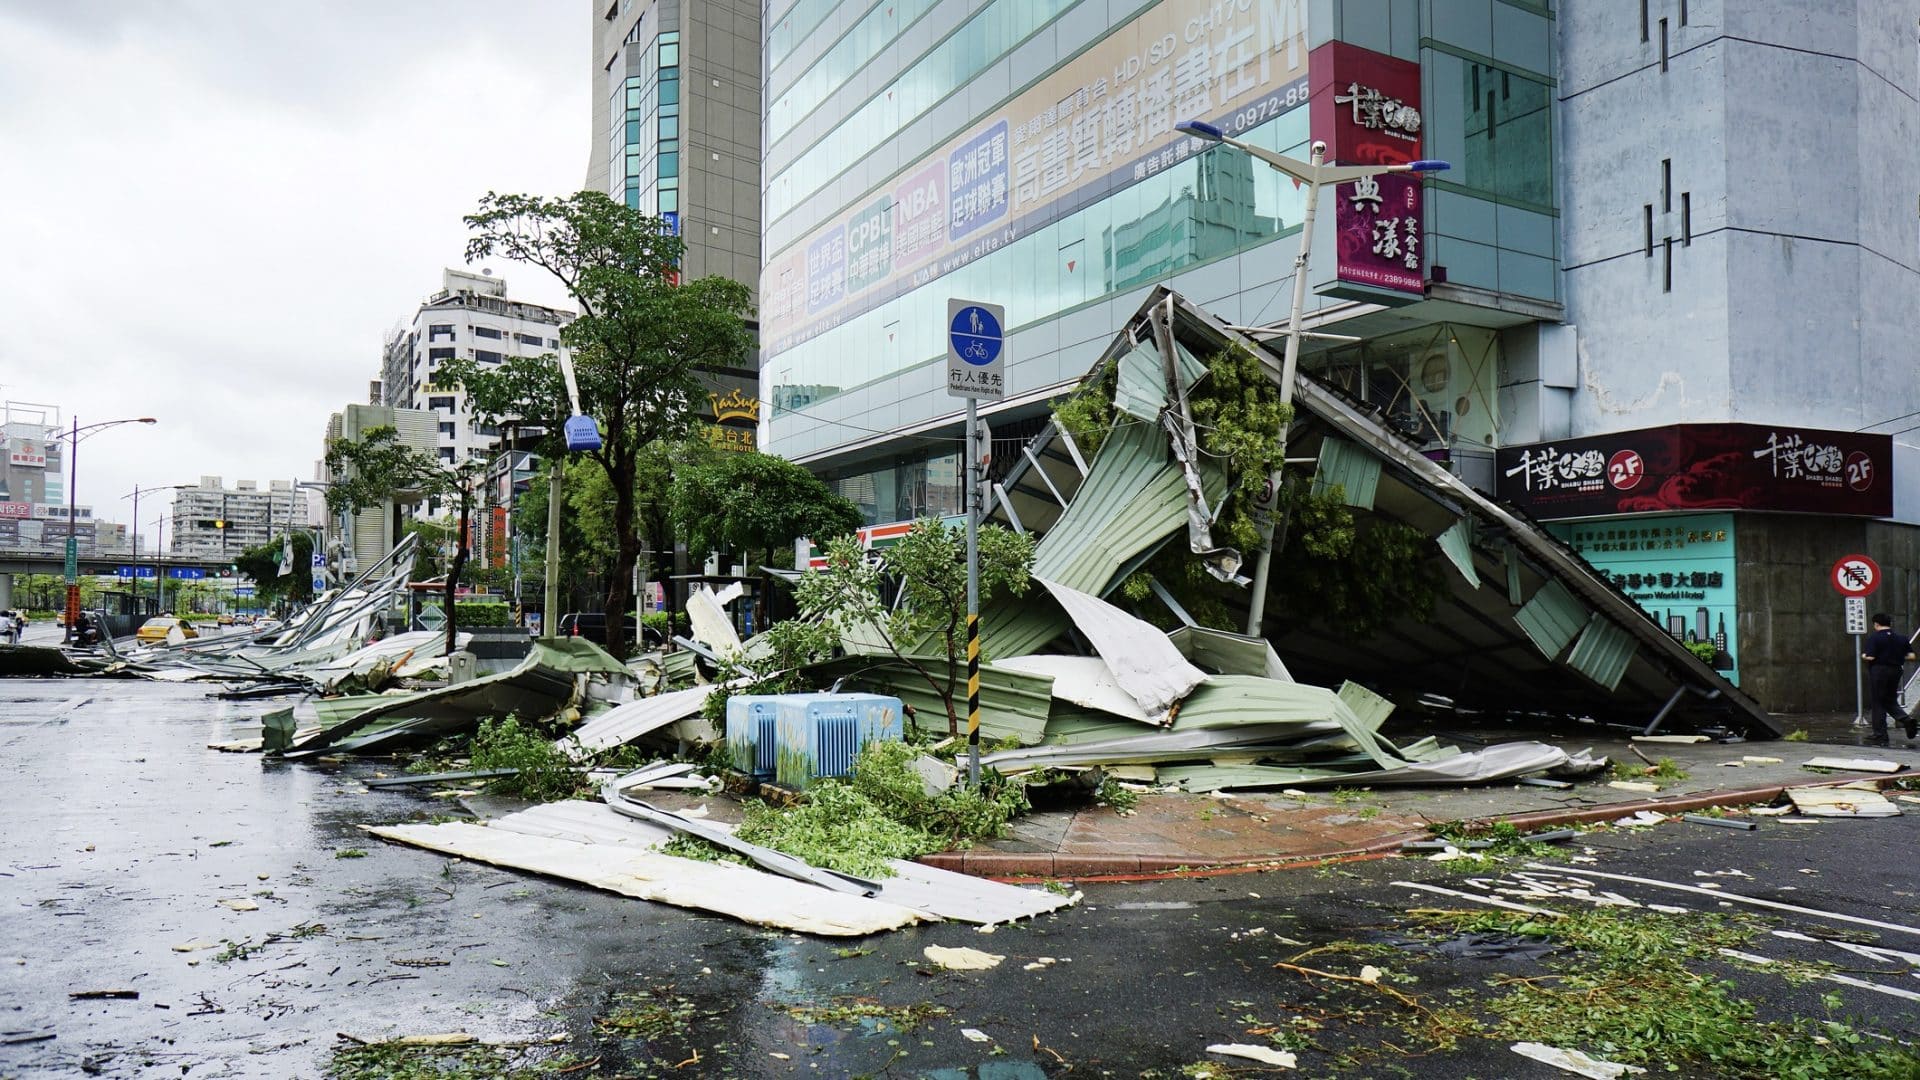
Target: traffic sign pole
(976,366)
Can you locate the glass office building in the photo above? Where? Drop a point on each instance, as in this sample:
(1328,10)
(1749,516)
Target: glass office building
(1638,240)
(1025,154)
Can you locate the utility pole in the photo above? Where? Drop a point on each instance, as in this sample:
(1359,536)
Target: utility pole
(550,616)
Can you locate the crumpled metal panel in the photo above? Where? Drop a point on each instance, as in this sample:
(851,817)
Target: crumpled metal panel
(1145,664)
(1081,680)
(1355,471)
(1228,653)
(1457,543)
(1368,707)
(1132,499)
(1140,381)
(1552,618)
(1501,762)
(1602,653)
(1013,704)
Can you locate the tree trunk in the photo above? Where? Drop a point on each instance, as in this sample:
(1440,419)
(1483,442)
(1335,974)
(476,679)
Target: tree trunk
(454,571)
(626,553)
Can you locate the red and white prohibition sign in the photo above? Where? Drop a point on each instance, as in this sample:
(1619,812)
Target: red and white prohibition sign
(1855,575)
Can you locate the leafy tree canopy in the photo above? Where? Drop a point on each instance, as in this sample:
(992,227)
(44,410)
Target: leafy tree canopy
(378,468)
(638,346)
(753,502)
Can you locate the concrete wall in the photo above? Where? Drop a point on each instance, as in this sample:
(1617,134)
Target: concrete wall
(1788,130)
(1794,654)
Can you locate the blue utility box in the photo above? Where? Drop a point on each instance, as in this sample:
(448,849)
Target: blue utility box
(750,733)
(820,735)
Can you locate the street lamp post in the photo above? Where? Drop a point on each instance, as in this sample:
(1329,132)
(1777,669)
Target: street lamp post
(1312,174)
(135,496)
(73,510)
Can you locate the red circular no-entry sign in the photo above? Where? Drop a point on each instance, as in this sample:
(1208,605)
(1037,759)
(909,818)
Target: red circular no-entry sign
(1855,575)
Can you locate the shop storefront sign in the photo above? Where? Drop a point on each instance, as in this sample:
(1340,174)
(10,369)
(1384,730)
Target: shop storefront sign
(1679,568)
(1366,106)
(27,453)
(1692,467)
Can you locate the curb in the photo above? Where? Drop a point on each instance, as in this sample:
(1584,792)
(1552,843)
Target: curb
(1048,864)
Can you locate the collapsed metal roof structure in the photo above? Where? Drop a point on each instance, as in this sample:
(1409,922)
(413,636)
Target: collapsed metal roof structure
(1524,627)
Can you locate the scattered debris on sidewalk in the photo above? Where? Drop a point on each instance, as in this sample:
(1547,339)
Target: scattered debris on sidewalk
(1575,1061)
(1265,1055)
(1858,799)
(1835,764)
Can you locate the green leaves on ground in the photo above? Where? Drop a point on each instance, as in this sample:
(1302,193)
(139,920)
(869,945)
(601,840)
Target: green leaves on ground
(545,773)
(1625,990)
(880,813)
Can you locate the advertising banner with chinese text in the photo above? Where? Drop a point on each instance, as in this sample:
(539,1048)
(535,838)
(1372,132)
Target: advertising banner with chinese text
(1693,467)
(1102,121)
(1366,106)
(1678,567)
(27,453)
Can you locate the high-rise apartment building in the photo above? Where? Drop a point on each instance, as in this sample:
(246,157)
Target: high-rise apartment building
(213,521)
(473,318)
(365,536)
(1659,300)
(33,486)
(676,132)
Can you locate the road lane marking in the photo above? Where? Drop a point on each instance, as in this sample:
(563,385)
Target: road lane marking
(1844,980)
(1479,899)
(1719,894)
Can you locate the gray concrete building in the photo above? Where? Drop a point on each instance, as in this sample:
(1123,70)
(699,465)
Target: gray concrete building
(214,521)
(676,123)
(1657,302)
(360,539)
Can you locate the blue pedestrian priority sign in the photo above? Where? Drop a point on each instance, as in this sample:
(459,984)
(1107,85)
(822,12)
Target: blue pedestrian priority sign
(976,350)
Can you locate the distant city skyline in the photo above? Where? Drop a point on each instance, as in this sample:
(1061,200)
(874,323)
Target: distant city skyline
(217,230)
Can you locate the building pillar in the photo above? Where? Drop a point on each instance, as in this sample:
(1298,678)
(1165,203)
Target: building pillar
(6,591)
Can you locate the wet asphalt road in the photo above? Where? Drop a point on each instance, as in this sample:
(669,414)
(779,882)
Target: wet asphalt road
(124,835)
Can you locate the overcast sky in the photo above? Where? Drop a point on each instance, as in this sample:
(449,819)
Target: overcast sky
(212,210)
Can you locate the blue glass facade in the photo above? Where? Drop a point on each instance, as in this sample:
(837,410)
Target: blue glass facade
(644,140)
(851,325)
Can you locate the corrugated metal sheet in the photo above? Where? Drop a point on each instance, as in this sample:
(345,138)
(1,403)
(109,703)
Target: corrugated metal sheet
(1012,704)
(1081,680)
(1140,383)
(1552,618)
(1514,592)
(636,718)
(1368,707)
(1355,471)
(1229,653)
(1602,653)
(1457,542)
(1133,498)
(1145,664)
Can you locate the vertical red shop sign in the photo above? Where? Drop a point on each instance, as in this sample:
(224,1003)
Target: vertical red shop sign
(1366,107)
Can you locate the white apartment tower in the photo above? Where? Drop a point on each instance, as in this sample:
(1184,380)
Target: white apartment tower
(470,317)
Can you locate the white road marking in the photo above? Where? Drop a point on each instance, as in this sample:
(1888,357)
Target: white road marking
(1479,899)
(1844,980)
(1735,897)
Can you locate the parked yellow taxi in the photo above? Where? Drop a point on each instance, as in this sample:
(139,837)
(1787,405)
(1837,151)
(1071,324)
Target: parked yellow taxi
(155,630)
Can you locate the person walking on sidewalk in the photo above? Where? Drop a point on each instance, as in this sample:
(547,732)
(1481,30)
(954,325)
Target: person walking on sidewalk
(1886,651)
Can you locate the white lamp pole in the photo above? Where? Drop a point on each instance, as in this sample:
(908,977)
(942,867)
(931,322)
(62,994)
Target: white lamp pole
(1312,174)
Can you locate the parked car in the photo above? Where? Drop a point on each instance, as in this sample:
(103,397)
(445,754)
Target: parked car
(592,625)
(155,630)
(225,619)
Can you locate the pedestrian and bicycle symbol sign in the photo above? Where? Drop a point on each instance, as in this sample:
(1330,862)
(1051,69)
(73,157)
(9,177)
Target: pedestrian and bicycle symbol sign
(1855,575)
(976,347)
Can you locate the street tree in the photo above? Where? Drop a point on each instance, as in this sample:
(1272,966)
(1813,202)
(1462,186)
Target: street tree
(747,502)
(639,345)
(262,564)
(379,470)
(930,563)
